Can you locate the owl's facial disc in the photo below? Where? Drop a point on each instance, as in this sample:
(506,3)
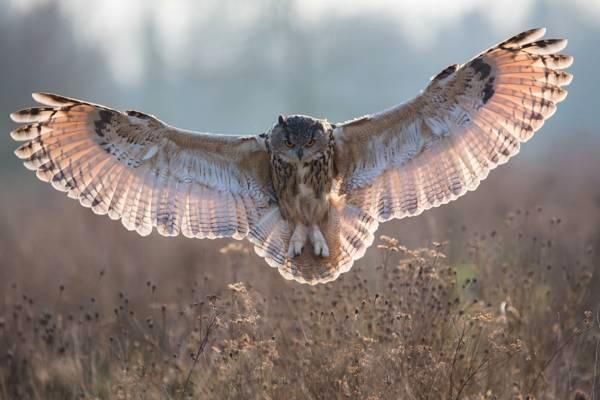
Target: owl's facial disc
(298,138)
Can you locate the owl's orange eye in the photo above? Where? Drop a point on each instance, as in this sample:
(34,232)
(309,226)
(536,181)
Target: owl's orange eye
(289,144)
(310,142)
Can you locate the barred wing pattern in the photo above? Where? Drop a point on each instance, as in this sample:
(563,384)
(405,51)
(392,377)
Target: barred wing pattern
(135,168)
(469,119)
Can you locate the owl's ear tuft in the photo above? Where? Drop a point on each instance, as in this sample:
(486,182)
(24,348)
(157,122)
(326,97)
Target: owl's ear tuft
(282,121)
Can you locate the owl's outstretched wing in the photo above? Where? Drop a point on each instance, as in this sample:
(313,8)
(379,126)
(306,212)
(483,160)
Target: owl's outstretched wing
(135,168)
(470,119)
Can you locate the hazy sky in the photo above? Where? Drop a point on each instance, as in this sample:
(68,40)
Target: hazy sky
(117,26)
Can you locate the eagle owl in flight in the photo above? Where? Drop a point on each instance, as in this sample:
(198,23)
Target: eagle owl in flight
(308,194)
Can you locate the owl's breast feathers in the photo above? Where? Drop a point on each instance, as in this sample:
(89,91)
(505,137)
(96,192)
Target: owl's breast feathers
(303,188)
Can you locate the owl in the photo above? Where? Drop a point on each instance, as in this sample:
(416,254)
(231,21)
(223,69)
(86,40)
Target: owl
(308,194)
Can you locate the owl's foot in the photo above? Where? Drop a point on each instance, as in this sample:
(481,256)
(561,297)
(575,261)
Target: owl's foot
(297,241)
(318,241)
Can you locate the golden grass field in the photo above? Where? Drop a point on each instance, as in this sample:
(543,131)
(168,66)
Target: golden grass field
(495,296)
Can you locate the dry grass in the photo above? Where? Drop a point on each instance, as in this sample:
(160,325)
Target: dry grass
(504,306)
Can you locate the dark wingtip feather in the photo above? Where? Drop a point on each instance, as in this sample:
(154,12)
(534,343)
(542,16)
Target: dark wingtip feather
(525,37)
(51,99)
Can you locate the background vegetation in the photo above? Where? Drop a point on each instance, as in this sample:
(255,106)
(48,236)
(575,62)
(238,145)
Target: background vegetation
(504,305)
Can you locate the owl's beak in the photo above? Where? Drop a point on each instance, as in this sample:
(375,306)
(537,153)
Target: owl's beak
(300,153)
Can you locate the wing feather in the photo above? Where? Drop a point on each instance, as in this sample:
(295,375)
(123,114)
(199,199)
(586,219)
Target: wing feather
(135,168)
(443,143)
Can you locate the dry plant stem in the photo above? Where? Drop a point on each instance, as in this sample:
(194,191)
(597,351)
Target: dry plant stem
(558,350)
(596,368)
(469,377)
(201,348)
(597,357)
(454,359)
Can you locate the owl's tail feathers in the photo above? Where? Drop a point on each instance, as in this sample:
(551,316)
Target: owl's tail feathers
(348,232)
(270,237)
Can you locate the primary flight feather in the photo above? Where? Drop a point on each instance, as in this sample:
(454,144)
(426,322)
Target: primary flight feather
(308,194)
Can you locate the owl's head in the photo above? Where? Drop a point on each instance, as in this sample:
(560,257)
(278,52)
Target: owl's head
(299,138)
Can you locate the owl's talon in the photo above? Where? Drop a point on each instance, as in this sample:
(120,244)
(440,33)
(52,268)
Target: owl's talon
(321,249)
(297,241)
(319,244)
(295,249)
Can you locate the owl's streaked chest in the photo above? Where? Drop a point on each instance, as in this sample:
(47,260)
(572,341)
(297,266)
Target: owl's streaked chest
(303,188)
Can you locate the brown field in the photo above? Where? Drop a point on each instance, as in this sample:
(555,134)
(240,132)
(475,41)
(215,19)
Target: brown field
(89,310)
